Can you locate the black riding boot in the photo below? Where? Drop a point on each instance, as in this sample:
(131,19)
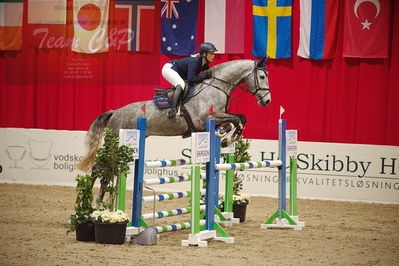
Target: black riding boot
(175,101)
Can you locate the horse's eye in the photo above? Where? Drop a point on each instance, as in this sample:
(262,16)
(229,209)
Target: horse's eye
(262,76)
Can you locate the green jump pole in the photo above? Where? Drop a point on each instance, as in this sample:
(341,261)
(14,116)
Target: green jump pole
(195,199)
(228,194)
(293,187)
(121,198)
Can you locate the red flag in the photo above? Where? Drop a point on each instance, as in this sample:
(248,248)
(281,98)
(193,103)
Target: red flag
(211,111)
(366,32)
(143,108)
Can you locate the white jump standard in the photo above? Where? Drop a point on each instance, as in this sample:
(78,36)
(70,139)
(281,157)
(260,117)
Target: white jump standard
(280,219)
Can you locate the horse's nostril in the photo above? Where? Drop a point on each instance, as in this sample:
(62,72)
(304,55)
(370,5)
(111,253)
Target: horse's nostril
(267,101)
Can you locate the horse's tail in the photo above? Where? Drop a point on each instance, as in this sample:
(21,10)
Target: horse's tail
(93,141)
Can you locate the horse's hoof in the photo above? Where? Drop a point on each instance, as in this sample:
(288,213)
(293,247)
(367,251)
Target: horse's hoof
(223,144)
(220,134)
(232,127)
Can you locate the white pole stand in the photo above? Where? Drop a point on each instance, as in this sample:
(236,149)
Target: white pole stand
(199,239)
(281,223)
(296,220)
(132,231)
(229,217)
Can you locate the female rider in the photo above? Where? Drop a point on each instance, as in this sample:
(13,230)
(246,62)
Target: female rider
(187,69)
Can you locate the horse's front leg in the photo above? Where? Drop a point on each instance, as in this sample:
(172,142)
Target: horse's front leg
(227,122)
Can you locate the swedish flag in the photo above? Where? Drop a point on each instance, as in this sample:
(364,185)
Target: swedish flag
(272,28)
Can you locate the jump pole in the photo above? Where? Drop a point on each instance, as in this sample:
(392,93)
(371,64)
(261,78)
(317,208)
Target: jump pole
(138,221)
(280,219)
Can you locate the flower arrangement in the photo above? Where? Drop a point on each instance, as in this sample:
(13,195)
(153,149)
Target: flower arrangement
(237,199)
(106,216)
(241,199)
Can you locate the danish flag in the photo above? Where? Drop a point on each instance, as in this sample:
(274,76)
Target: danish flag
(169,7)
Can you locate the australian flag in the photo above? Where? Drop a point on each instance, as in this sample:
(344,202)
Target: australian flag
(179,26)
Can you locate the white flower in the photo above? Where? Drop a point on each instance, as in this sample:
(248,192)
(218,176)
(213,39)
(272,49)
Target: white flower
(238,199)
(106,216)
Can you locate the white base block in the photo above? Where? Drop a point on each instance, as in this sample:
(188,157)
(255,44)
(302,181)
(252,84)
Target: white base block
(198,239)
(230,219)
(228,240)
(132,231)
(224,223)
(296,219)
(228,215)
(281,223)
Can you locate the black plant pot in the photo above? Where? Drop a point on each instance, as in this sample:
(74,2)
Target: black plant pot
(239,211)
(110,233)
(85,232)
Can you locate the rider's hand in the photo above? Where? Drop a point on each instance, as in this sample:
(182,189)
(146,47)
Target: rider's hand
(208,74)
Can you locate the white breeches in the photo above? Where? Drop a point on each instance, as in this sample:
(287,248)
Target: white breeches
(172,76)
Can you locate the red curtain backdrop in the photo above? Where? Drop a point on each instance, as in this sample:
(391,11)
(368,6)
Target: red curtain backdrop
(345,100)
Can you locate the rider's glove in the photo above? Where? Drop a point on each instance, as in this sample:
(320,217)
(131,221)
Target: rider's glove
(208,74)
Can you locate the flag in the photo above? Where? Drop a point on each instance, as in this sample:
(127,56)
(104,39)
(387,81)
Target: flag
(366,28)
(11,24)
(318,28)
(134,21)
(224,25)
(179,26)
(282,110)
(272,28)
(47,23)
(90,23)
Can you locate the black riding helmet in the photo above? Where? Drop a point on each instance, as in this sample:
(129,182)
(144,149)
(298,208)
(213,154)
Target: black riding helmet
(207,47)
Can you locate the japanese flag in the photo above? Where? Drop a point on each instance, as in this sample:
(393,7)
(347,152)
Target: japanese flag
(90,18)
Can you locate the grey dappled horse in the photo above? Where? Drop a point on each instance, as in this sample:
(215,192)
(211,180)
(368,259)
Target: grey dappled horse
(213,93)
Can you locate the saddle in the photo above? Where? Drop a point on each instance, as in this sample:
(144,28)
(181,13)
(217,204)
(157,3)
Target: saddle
(163,97)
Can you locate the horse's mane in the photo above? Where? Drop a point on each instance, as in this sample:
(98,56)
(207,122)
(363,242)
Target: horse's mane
(220,66)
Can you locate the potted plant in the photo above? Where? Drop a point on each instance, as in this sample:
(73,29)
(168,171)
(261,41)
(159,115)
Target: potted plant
(112,160)
(110,226)
(81,221)
(240,200)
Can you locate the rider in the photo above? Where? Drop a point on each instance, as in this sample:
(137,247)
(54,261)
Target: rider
(187,69)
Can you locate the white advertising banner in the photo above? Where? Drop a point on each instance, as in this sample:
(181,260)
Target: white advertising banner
(35,156)
(348,172)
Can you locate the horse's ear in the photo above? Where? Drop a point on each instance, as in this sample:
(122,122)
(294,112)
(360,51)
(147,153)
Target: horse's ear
(262,62)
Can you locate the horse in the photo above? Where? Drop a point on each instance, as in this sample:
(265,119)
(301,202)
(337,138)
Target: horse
(210,99)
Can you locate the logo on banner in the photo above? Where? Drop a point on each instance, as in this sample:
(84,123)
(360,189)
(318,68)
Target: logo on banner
(292,137)
(201,146)
(130,138)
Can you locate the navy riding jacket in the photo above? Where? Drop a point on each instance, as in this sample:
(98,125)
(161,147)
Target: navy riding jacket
(189,67)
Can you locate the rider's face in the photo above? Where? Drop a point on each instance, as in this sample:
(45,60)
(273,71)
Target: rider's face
(210,56)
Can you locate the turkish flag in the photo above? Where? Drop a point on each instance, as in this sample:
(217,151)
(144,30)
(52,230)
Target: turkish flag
(366,28)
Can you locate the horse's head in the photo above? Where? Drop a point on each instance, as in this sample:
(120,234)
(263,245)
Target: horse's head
(258,82)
